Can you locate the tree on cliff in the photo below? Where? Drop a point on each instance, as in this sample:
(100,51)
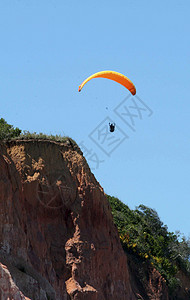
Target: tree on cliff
(143,235)
(7,131)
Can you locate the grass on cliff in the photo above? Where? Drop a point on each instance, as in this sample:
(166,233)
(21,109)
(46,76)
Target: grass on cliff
(26,135)
(144,235)
(8,132)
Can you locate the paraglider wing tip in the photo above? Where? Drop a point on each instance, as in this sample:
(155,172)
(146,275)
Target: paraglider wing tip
(79,89)
(133,92)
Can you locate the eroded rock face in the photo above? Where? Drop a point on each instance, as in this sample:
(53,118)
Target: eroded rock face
(8,288)
(57,236)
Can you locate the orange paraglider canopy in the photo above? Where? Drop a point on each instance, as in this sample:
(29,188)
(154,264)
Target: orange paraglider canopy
(118,77)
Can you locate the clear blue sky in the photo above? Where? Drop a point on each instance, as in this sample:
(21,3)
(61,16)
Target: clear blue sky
(49,47)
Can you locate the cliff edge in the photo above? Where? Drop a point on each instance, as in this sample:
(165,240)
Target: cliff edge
(57,237)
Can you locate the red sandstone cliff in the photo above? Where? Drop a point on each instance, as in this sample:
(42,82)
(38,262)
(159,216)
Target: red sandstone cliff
(57,237)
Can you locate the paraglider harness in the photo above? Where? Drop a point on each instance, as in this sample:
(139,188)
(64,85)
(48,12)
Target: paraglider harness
(112,127)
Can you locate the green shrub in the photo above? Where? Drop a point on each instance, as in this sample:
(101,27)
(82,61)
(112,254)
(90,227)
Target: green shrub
(7,131)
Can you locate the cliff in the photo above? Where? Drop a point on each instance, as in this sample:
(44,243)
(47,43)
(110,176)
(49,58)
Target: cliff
(57,237)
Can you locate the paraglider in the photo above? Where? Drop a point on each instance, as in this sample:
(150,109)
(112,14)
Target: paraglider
(112,127)
(118,77)
(115,76)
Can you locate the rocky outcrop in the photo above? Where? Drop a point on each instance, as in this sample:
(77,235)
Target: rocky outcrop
(57,237)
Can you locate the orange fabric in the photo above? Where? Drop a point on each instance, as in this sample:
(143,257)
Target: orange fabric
(118,77)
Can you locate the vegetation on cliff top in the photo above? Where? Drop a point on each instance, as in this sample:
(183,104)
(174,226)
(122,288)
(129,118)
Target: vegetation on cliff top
(144,235)
(8,132)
